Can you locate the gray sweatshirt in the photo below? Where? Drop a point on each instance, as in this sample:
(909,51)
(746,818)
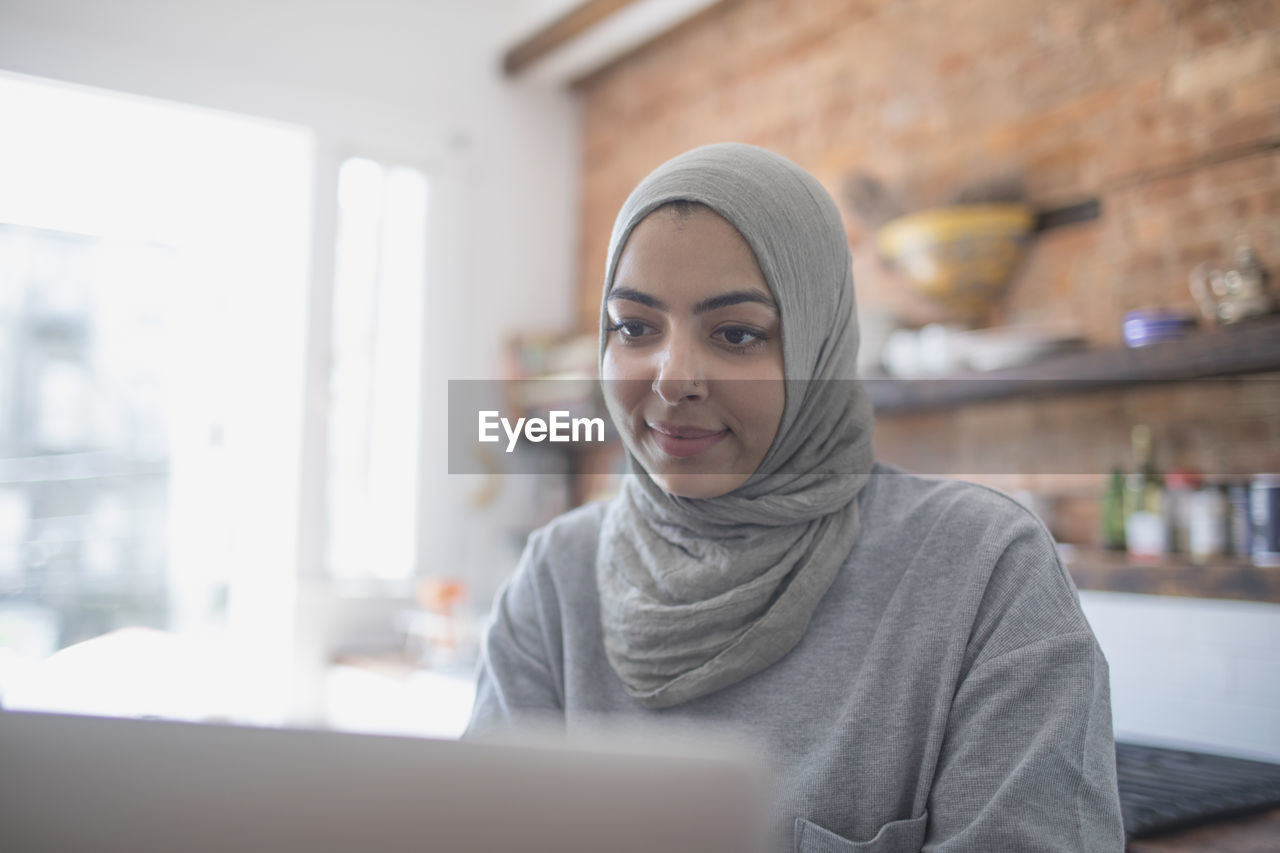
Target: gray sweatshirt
(948,694)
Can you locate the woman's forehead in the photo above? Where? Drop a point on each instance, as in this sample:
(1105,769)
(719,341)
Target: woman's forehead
(693,250)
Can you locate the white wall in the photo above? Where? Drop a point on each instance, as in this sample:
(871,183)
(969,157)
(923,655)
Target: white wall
(1193,672)
(415,81)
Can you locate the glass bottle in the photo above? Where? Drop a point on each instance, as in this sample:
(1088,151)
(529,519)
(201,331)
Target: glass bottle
(1207,527)
(1113,513)
(1145,530)
(1180,488)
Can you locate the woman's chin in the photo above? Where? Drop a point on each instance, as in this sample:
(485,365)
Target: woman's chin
(698,486)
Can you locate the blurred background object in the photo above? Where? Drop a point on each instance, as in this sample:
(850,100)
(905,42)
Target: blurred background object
(1151,326)
(963,256)
(1237,293)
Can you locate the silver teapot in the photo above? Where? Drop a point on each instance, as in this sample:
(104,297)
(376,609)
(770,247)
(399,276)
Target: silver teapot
(1236,293)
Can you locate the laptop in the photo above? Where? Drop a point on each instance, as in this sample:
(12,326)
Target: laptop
(74,783)
(1165,790)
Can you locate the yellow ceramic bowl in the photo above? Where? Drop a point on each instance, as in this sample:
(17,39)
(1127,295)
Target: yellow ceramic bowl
(962,256)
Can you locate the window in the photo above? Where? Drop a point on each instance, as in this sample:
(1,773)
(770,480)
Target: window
(158,282)
(376,371)
(153,296)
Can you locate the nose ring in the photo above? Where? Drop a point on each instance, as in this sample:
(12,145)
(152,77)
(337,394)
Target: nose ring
(694,384)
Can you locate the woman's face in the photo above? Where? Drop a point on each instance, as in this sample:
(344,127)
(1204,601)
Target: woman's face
(693,359)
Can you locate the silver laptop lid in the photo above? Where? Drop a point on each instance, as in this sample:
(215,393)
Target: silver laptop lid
(72,784)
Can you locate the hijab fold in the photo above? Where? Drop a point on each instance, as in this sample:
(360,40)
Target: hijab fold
(698,594)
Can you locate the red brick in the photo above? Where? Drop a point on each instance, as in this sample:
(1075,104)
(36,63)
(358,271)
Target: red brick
(1137,159)
(1245,130)
(1258,93)
(1244,170)
(1258,15)
(1210,33)
(1190,255)
(1221,66)
(1172,189)
(1146,18)
(1188,8)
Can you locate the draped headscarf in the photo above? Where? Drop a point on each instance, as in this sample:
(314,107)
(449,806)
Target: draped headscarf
(698,594)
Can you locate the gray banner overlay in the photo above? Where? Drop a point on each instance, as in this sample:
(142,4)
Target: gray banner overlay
(928,426)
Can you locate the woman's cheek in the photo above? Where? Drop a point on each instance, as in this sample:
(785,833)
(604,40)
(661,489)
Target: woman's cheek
(615,389)
(617,413)
(624,381)
(608,365)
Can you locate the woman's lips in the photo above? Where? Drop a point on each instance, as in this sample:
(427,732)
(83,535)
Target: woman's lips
(682,441)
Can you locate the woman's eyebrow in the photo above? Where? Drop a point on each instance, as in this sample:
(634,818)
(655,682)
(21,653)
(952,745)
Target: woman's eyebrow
(735,297)
(722,300)
(632,295)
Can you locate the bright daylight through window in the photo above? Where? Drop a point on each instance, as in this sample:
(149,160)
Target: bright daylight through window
(153,295)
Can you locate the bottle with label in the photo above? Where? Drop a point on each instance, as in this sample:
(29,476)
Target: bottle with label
(1207,523)
(1180,488)
(1145,529)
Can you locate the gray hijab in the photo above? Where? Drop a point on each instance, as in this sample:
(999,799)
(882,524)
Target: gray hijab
(698,594)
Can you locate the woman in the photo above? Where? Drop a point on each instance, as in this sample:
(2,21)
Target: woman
(911,650)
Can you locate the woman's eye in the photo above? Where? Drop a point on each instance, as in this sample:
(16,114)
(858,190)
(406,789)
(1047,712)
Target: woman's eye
(741,337)
(630,329)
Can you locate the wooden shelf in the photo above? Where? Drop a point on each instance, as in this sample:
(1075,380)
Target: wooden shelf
(1251,347)
(1221,577)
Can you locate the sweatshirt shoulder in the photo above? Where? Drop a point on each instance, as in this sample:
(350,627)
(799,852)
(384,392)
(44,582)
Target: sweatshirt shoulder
(975,534)
(997,558)
(962,509)
(578,527)
(565,548)
(555,578)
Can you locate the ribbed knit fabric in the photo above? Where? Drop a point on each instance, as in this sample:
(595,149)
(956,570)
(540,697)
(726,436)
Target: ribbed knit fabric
(948,694)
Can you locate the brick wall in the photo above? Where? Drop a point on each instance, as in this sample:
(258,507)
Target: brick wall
(1167,111)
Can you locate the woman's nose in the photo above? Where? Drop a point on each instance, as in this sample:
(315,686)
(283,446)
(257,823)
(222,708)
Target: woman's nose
(680,373)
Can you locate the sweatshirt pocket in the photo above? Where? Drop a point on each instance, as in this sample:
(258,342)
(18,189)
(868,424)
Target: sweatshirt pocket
(899,836)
